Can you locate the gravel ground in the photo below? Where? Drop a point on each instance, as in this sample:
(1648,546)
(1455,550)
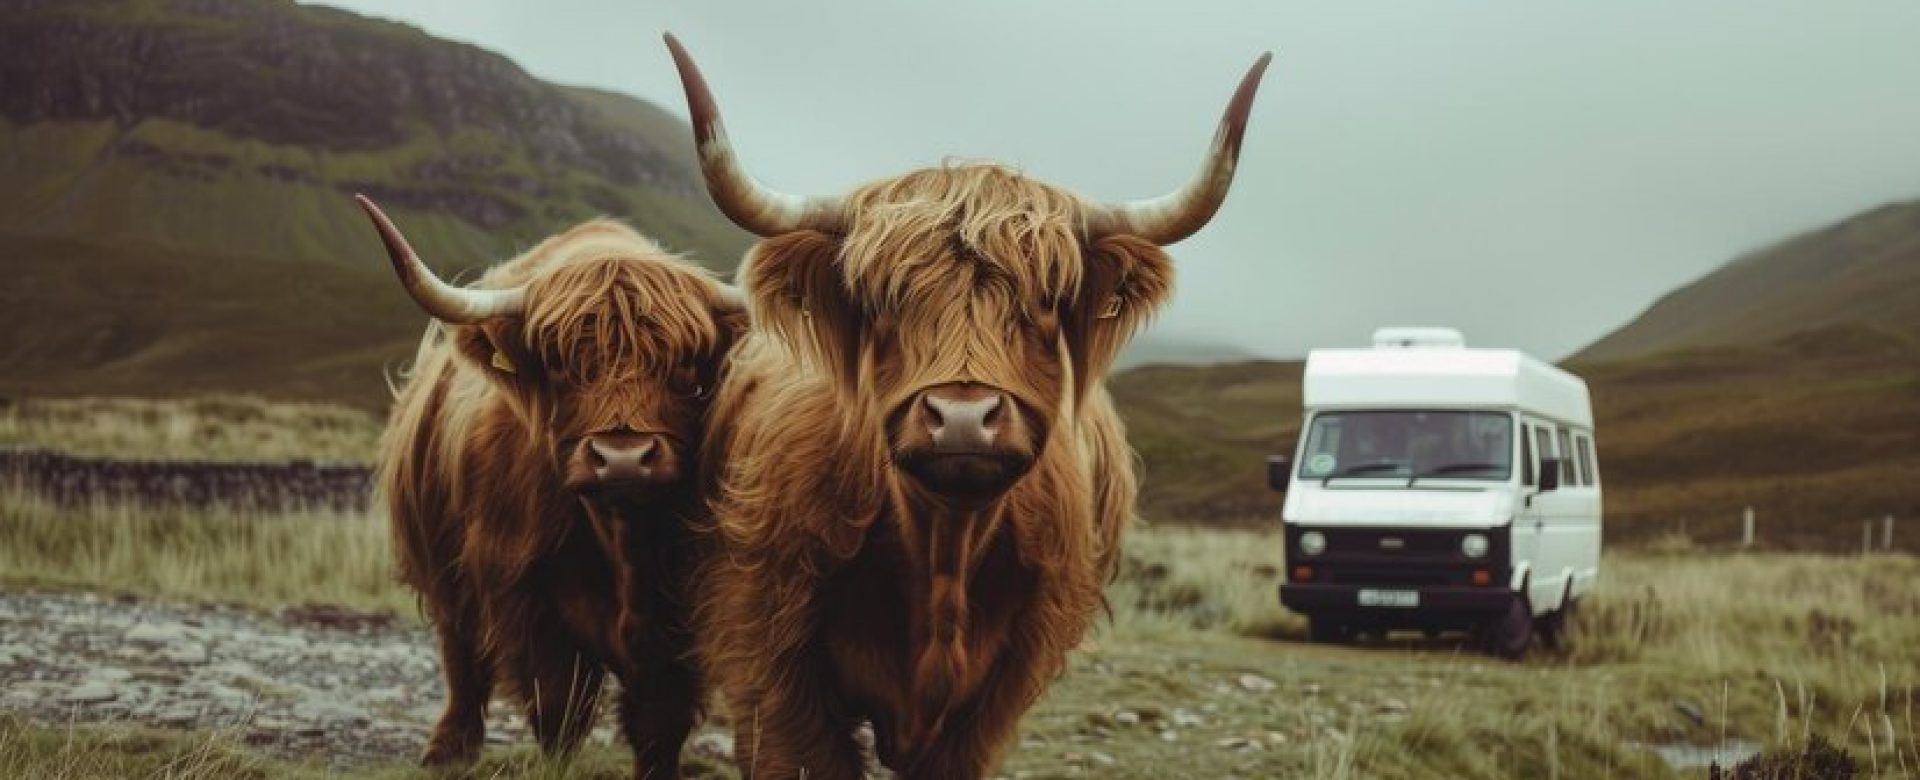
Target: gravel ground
(307,682)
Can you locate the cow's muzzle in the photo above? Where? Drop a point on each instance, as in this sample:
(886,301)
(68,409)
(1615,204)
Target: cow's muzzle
(964,441)
(623,461)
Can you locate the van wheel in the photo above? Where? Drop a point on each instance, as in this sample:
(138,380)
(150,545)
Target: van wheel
(1552,626)
(1507,636)
(1328,632)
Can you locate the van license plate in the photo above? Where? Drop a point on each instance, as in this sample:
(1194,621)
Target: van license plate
(1389,598)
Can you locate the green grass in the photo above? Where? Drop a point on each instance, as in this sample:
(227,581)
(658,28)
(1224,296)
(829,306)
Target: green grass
(43,752)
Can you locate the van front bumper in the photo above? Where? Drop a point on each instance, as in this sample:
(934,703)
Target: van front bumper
(1437,603)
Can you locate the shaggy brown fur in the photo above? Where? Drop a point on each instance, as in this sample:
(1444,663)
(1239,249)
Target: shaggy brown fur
(528,584)
(840,592)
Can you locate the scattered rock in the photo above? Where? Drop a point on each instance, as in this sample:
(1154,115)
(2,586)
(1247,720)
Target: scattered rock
(1186,719)
(1393,706)
(329,711)
(1126,718)
(185,654)
(109,674)
(716,745)
(178,716)
(1237,744)
(89,693)
(1253,683)
(1102,758)
(336,617)
(1691,711)
(1169,736)
(155,634)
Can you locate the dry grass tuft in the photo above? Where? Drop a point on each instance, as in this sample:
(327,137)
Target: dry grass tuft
(259,559)
(212,428)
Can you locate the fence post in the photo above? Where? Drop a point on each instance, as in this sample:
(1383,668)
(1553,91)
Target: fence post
(1886,533)
(1866,537)
(1746,528)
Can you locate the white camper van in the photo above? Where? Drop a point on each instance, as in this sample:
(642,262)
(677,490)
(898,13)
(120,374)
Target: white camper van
(1440,487)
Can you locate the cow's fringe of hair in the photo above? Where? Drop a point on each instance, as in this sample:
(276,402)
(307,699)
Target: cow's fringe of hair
(617,322)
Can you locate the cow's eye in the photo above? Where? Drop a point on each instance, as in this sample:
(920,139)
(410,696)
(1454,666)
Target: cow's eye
(688,382)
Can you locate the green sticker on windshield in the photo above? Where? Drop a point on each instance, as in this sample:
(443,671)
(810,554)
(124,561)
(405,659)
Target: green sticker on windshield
(1322,463)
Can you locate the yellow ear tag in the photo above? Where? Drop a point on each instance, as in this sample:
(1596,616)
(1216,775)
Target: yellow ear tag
(1113,308)
(501,362)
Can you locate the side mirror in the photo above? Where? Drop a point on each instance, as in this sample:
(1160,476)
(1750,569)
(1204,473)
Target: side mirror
(1550,474)
(1279,472)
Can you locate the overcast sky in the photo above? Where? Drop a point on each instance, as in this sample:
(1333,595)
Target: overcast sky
(1534,174)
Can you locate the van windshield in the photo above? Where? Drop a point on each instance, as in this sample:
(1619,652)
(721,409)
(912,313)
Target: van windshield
(1409,445)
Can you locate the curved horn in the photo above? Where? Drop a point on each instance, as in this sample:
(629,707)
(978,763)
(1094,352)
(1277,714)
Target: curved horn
(750,204)
(1181,213)
(445,302)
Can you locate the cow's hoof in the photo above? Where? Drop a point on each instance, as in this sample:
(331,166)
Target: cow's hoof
(446,750)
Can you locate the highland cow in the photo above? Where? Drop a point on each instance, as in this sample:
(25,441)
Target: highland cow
(920,481)
(539,472)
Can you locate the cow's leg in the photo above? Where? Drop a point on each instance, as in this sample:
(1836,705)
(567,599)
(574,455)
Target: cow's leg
(463,726)
(793,731)
(561,684)
(977,734)
(658,700)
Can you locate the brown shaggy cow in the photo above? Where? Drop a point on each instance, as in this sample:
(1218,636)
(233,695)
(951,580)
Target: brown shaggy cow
(921,480)
(539,472)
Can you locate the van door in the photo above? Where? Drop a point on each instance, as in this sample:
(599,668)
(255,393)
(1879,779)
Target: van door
(1541,514)
(1561,530)
(1525,531)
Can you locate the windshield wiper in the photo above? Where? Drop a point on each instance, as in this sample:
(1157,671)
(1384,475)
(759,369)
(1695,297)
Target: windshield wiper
(1450,468)
(1361,468)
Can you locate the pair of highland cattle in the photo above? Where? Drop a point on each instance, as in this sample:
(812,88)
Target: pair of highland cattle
(882,483)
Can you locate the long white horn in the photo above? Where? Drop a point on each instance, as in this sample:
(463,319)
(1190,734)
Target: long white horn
(758,208)
(1181,213)
(445,302)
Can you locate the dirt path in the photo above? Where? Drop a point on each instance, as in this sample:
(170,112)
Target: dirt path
(307,682)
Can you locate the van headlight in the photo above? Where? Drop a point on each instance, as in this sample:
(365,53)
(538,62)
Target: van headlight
(1313,543)
(1474,545)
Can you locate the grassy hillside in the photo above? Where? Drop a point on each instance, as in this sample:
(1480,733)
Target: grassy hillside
(89,317)
(1864,271)
(176,181)
(243,126)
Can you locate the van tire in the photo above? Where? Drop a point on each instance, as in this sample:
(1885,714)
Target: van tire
(1508,635)
(1552,626)
(1326,631)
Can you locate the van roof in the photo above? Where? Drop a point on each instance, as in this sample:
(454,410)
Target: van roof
(1391,376)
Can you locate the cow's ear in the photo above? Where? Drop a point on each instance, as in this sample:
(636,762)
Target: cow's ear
(496,348)
(1126,280)
(796,291)
(729,319)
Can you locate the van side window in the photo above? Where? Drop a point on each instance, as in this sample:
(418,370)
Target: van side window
(1543,444)
(1566,460)
(1586,459)
(1526,456)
